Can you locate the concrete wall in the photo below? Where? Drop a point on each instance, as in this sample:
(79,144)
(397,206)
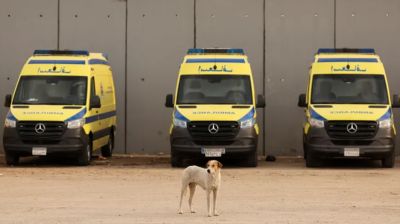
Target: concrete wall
(147,39)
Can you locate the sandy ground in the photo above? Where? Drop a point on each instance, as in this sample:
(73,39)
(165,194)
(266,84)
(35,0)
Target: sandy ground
(130,190)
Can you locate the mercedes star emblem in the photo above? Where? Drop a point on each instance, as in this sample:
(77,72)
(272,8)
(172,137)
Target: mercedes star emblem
(213,128)
(352,128)
(40,128)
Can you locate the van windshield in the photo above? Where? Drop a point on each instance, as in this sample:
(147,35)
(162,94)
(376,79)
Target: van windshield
(51,90)
(349,89)
(214,89)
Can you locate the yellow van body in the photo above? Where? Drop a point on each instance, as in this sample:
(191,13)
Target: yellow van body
(348,109)
(226,73)
(63,103)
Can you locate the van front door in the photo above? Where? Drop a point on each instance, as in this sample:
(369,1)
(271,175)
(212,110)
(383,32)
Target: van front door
(93,115)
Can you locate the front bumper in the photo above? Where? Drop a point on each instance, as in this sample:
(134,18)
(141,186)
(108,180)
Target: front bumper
(245,142)
(72,141)
(319,144)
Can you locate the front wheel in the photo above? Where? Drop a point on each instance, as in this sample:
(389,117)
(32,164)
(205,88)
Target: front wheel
(176,159)
(389,161)
(304,148)
(251,160)
(85,155)
(311,161)
(11,159)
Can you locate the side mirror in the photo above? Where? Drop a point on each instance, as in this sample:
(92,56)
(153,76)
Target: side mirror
(260,101)
(7,102)
(302,101)
(169,101)
(396,101)
(95,102)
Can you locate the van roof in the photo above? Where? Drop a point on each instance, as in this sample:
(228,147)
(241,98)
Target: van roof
(215,61)
(215,55)
(77,57)
(347,61)
(346,50)
(364,55)
(224,51)
(63,62)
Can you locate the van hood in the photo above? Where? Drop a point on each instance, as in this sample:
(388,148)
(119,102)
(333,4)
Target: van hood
(46,113)
(214,112)
(351,112)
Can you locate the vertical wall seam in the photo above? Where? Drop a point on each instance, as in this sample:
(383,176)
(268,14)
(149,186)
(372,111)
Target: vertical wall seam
(264,73)
(334,23)
(195,22)
(58,24)
(126,79)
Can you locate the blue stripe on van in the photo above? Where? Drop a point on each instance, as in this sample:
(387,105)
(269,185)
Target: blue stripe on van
(100,116)
(11,116)
(249,115)
(386,115)
(98,62)
(347,60)
(53,62)
(314,114)
(215,60)
(78,115)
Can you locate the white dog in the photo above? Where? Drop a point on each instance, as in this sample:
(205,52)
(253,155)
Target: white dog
(209,179)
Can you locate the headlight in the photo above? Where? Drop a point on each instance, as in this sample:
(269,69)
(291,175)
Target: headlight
(247,123)
(316,123)
(9,123)
(78,123)
(180,123)
(387,123)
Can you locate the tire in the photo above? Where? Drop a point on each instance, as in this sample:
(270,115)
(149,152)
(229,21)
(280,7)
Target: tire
(304,151)
(312,161)
(176,160)
(107,150)
(304,148)
(11,159)
(85,155)
(389,161)
(251,160)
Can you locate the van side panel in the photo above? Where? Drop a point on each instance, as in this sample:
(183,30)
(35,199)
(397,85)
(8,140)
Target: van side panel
(107,118)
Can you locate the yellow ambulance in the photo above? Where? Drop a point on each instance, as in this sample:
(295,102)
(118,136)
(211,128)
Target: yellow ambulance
(214,108)
(348,108)
(63,103)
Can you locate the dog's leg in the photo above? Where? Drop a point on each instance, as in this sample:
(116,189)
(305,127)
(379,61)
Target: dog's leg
(215,193)
(208,202)
(192,188)
(183,191)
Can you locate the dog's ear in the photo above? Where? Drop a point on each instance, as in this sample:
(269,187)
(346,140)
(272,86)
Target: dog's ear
(219,164)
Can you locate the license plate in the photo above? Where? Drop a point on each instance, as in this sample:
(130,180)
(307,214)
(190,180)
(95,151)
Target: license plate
(39,151)
(351,152)
(213,152)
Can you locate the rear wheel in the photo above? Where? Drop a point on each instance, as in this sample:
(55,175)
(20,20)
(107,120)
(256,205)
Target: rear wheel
(11,159)
(107,150)
(85,155)
(389,161)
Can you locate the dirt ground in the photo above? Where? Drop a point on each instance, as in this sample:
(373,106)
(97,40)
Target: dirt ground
(132,189)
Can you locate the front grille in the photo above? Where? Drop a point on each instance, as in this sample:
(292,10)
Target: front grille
(338,129)
(352,142)
(53,132)
(201,135)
